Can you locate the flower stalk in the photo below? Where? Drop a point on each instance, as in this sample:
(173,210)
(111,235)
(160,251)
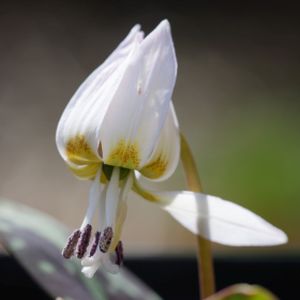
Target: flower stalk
(204,253)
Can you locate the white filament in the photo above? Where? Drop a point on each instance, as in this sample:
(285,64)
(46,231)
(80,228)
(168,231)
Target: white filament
(127,187)
(94,196)
(112,198)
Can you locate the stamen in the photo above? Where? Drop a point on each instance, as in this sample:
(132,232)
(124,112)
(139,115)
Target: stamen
(119,254)
(94,195)
(95,243)
(84,240)
(69,249)
(105,239)
(101,210)
(112,198)
(127,187)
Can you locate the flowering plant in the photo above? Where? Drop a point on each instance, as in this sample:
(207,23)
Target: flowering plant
(121,126)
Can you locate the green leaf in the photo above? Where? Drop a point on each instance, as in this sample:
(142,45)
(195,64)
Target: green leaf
(243,292)
(36,239)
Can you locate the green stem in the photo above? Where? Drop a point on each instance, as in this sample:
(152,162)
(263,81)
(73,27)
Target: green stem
(205,261)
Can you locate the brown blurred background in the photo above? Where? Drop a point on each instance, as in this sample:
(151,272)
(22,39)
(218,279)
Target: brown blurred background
(237,100)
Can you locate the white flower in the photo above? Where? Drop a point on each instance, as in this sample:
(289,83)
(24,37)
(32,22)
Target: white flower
(120,125)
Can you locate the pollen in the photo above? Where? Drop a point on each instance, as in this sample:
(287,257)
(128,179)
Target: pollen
(84,241)
(79,151)
(69,249)
(124,155)
(95,243)
(119,254)
(105,239)
(156,168)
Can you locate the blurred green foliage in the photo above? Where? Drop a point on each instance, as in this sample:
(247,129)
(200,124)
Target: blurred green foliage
(253,159)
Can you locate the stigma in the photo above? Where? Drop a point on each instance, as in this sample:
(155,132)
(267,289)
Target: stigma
(101,246)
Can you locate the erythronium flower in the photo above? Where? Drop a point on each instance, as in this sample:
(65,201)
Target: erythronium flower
(121,125)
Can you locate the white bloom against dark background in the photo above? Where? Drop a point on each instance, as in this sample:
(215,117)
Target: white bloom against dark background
(121,125)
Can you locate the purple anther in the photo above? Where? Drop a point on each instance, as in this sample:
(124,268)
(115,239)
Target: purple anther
(119,254)
(69,249)
(84,241)
(95,243)
(105,239)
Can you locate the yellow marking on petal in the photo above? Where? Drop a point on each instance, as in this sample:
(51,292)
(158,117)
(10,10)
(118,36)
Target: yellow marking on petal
(85,172)
(124,155)
(156,168)
(79,152)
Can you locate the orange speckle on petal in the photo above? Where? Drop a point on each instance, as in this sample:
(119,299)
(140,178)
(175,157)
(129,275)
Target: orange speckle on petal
(79,152)
(125,155)
(155,168)
(81,158)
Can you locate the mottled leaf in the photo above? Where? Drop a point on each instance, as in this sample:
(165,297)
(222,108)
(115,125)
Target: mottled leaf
(36,239)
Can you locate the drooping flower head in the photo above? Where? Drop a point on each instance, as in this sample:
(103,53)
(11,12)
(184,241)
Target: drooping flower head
(121,119)
(121,123)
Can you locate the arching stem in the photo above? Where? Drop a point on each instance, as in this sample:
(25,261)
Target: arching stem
(205,260)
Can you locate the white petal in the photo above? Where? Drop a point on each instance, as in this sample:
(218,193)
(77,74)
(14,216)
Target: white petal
(165,157)
(84,113)
(219,220)
(140,106)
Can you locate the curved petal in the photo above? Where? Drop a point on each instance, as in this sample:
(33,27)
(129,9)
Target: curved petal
(77,135)
(165,157)
(219,220)
(139,109)
(87,171)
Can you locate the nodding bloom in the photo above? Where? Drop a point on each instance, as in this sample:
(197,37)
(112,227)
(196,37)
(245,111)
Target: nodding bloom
(119,126)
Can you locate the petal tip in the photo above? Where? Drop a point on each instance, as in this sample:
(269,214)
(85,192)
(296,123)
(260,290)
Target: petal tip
(165,24)
(136,28)
(282,238)
(277,237)
(164,27)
